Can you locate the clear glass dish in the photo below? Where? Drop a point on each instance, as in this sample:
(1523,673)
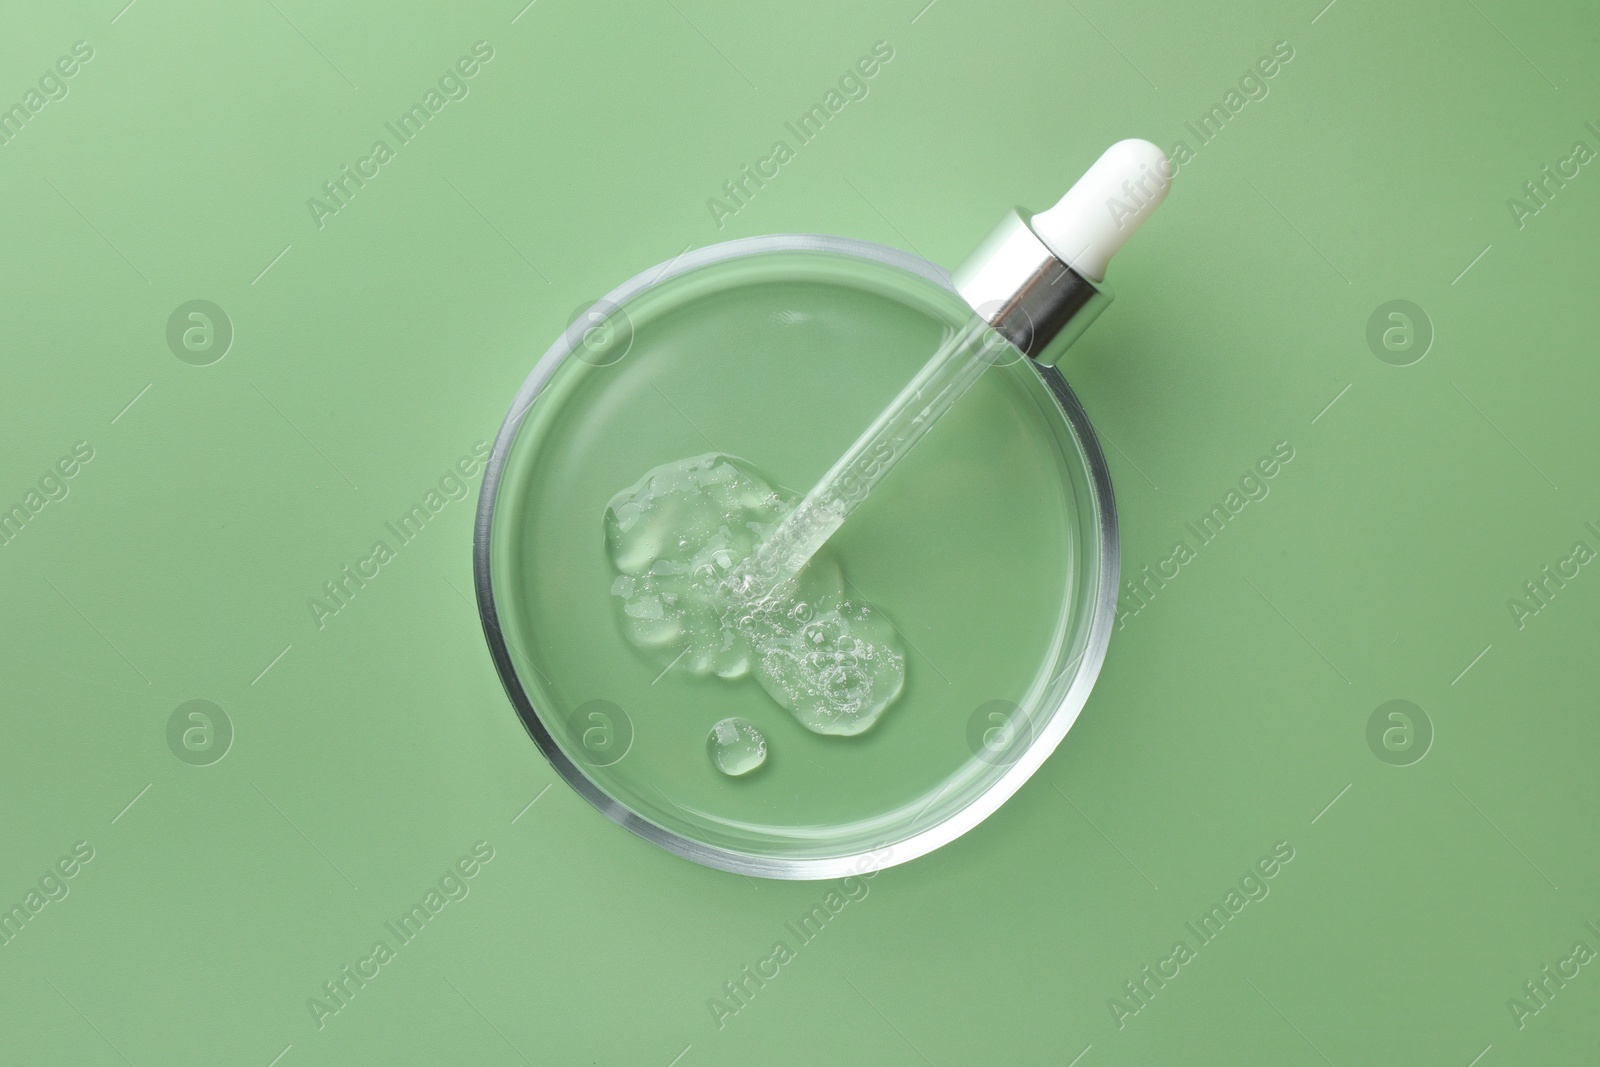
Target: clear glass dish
(991,548)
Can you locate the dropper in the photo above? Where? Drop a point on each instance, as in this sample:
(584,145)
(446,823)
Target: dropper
(1034,284)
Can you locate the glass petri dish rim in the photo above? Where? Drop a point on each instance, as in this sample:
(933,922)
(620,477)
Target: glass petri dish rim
(1059,720)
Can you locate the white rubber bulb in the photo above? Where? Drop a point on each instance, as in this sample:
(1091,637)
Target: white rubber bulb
(1092,222)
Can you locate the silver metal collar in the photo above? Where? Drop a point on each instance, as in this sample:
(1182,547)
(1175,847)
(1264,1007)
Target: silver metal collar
(1031,298)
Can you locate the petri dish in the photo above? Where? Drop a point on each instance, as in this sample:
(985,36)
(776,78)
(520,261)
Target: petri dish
(991,550)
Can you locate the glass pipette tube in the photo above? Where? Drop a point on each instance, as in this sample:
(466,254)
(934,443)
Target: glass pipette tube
(959,361)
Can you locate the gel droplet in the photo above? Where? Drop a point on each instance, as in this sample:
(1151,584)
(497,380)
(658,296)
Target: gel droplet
(677,539)
(736,747)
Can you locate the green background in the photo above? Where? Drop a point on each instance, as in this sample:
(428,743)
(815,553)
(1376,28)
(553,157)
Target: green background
(370,354)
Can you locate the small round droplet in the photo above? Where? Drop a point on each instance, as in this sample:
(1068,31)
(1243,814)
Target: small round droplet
(736,747)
